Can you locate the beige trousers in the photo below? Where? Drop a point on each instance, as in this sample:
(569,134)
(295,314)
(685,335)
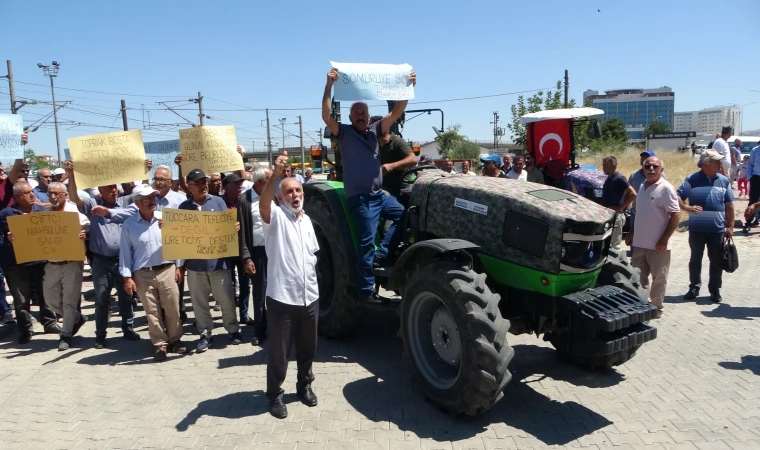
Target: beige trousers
(158,291)
(219,284)
(617,231)
(649,262)
(62,289)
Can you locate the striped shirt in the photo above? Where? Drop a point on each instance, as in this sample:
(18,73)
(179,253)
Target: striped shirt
(711,194)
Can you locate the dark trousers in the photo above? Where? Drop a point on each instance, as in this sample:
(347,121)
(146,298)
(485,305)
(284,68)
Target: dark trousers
(24,282)
(289,323)
(5,309)
(106,276)
(754,191)
(181,288)
(259,281)
(243,285)
(714,244)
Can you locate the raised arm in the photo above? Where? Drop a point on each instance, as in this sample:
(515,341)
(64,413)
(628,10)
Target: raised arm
(398,109)
(241,172)
(331,123)
(267,195)
(178,162)
(72,186)
(15,171)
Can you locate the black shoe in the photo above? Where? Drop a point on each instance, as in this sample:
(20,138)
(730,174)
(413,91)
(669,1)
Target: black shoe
(307,397)
(373,299)
(236,338)
(255,341)
(278,409)
(64,344)
(692,294)
(715,297)
(100,342)
(53,329)
(24,338)
(77,326)
(203,344)
(8,320)
(160,353)
(131,335)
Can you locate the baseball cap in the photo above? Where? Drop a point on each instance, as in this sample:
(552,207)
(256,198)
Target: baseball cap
(711,155)
(59,171)
(144,190)
(195,175)
(249,166)
(424,158)
(231,178)
(493,157)
(647,152)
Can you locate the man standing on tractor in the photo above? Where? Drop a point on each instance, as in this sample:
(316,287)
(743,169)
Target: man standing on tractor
(362,183)
(491,166)
(395,156)
(617,195)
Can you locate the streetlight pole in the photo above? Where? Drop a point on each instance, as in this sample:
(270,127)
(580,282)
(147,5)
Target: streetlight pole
(282,125)
(741,122)
(51,72)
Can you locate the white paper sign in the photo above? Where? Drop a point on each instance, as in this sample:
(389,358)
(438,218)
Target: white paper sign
(372,82)
(11,129)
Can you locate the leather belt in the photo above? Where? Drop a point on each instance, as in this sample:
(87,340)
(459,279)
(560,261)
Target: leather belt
(156,268)
(60,263)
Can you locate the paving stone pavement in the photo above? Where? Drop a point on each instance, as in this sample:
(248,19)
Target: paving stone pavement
(694,387)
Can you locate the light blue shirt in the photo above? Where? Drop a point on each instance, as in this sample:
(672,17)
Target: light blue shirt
(172,199)
(140,245)
(104,233)
(711,194)
(753,165)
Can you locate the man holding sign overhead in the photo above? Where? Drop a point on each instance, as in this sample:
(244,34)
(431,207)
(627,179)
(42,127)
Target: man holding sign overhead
(363,177)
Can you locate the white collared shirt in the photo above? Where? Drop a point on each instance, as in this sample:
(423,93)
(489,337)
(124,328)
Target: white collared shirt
(258,224)
(291,247)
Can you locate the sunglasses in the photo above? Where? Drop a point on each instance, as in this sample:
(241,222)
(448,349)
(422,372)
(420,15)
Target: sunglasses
(651,166)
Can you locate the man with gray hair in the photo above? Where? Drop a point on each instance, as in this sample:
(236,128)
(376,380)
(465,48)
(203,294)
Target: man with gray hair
(62,285)
(736,157)
(44,178)
(617,195)
(253,255)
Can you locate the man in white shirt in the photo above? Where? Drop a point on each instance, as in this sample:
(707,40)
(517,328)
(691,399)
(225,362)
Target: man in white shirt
(292,302)
(253,255)
(721,146)
(518,171)
(466,169)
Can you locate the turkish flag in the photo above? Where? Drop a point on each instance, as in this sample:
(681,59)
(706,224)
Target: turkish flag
(551,140)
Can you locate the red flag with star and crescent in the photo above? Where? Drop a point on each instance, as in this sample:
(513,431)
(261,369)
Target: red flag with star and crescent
(551,140)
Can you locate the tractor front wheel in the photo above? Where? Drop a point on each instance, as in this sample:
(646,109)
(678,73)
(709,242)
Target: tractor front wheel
(455,337)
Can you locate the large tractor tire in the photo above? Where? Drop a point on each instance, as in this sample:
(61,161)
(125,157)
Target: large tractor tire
(618,272)
(339,313)
(455,337)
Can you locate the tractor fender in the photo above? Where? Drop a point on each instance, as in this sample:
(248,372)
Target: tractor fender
(339,212)
(425,250)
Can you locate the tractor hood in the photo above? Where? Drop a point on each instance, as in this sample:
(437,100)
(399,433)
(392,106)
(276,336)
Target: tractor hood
(524,223)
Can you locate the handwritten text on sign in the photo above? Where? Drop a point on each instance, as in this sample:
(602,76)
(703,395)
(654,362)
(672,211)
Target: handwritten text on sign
(373,82)
(199,234)
(109,158)
(11,129)
(48,235)
(162,153)
(211,149)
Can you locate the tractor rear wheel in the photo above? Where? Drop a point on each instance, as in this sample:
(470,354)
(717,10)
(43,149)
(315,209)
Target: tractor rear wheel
(339,313)
(455,337)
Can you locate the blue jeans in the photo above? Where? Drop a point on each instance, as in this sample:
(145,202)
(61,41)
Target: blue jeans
(105,276)
(367,209)
(5,309)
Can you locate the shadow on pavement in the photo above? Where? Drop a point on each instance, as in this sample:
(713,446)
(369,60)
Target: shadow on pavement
(727,311)
(748,362)
(701,299)
(230,406)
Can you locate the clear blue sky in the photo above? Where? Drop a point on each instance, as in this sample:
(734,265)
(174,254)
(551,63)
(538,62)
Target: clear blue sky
(276,54)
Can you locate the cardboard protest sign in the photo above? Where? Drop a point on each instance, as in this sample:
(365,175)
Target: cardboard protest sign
(372,82)
(199,234)
(109,158)
(212,149)
(163,153)
(46,235)
(11,129)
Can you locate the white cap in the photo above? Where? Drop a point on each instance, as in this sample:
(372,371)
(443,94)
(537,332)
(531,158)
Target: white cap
(144,190)
(59,171)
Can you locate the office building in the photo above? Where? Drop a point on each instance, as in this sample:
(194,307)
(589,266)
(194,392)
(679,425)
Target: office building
(636,107)
(709,121)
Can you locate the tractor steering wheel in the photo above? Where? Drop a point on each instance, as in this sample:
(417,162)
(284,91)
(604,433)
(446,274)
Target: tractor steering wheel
(410,175)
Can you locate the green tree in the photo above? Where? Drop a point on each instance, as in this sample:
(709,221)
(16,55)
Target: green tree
(35,162)
(449,140)
(613,130)
(537,102)
(656,127)
(466,150)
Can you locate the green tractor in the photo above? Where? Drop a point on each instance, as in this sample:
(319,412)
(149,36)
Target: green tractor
(483,257)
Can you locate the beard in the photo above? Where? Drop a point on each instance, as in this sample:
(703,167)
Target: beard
(294,209)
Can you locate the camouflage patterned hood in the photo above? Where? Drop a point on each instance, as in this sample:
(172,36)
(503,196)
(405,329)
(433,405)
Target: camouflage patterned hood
(516,221)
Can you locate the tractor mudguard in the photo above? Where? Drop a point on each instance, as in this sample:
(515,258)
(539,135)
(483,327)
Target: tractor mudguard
(425,250)
(333,194)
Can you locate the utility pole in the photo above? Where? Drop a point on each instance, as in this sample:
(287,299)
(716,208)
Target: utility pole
(124,115)
(303,153)
(11,88)
(282,126)
(567,86)
(319,135)
(495,129)
(269,142)
(200,107)
(51,72)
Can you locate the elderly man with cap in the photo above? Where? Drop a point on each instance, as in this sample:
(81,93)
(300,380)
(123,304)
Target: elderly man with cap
(209,276)
(105,235)
(491,166)
(637,177)
(233,187)
(62,285)
(145,271)
(425,160)
(711,218)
